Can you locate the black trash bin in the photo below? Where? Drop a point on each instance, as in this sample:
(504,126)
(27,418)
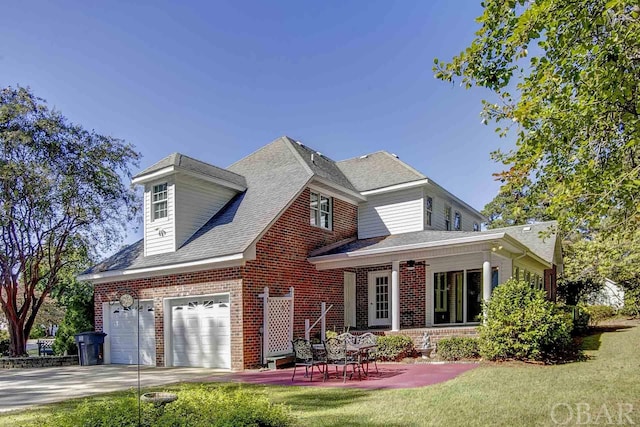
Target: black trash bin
(90,347)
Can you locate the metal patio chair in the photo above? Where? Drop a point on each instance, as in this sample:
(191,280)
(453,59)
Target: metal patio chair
(305,356)
(336,353)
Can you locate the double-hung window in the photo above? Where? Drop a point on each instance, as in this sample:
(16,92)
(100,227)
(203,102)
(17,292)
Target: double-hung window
(159,201)
(457,221)
(447,218)
(321,210)
(428,207)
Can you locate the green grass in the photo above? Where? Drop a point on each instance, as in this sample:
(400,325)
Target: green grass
(494,394)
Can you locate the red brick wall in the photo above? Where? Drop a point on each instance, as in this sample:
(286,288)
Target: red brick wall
(281,262)
(181,285)
(412,295)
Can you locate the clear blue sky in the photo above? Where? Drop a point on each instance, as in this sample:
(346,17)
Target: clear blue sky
(216,80)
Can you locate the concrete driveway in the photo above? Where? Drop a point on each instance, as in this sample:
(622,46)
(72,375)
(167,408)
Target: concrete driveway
(21,388)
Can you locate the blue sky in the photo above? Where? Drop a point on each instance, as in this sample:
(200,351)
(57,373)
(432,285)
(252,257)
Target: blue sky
(217,80)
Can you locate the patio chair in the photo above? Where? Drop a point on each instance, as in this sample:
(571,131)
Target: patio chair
(305,357)
(347,337)
(370,356)
(336,354)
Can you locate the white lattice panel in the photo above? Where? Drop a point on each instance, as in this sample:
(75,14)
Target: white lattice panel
(279,325)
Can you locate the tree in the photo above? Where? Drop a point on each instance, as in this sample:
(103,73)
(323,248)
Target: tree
(63,197)
(566,76)
(77,298)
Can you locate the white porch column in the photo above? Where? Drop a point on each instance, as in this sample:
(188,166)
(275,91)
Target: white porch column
(486,281)
(395,296)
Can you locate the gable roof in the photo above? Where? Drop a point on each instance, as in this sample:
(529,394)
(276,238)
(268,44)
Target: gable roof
(275,175)
(378,170)
(189,164)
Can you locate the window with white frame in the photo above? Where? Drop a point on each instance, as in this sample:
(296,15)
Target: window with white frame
(457,221)
(321,210)
(159,201)
(476,226)
(428,208)
(447,218)
(440,292)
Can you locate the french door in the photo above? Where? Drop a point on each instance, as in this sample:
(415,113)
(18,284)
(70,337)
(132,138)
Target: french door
(379,298)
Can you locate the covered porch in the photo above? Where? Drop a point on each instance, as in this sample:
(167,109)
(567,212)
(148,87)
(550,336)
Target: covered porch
(426,279)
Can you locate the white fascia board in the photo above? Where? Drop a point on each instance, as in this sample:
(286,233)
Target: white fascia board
(406,248)
(163,270)
(340,191)
(396,187)
(161,173)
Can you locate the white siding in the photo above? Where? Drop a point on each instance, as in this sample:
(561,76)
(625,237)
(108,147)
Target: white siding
(437,217)
(159,235)
(196,202)
(391,213)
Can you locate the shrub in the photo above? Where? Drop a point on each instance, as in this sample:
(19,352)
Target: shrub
(4,347)
(4,334)
(330,334)
(631,301)
(598,313)
(78,317)
(38,331)
(521,324)
(394,347)
(456,348)
(579,317)
(202,406)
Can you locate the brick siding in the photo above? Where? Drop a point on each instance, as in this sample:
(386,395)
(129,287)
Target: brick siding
(281,262)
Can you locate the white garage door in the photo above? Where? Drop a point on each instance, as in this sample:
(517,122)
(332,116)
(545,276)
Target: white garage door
(123,334)
(201,332)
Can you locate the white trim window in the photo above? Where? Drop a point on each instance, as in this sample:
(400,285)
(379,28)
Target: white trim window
(321,211)
(440,292)
(457,221)
(159,201)
(476,226)
(447,218)
(428,208)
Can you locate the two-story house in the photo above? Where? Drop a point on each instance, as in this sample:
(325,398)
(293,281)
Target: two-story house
(235,262)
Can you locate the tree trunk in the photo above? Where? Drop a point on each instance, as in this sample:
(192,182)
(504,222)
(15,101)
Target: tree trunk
(18,345)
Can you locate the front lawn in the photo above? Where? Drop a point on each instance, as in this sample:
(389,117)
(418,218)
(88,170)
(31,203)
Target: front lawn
(603,390)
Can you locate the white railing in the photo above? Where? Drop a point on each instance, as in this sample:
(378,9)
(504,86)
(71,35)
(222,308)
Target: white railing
(323,324)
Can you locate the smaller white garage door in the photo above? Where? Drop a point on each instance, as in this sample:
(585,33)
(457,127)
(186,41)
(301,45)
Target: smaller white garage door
(201,332)
(123,334)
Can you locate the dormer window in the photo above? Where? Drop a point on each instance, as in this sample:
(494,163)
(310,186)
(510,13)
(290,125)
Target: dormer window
(159,201)
(321,210)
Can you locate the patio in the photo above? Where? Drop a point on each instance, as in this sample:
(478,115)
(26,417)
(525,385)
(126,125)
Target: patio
(390,376)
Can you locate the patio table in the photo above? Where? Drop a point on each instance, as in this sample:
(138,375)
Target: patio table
(360,351)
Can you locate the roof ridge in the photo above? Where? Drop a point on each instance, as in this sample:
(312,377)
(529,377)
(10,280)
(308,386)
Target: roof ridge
(179,164)
(361,156)
(288,141)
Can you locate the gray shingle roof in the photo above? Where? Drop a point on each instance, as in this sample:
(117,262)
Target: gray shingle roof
(321,165)
(542,246)
(377,170)
(275,175)
(540,237)
(181,161)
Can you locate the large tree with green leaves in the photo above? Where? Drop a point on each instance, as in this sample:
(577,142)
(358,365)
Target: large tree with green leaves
(64,194)
(566,80)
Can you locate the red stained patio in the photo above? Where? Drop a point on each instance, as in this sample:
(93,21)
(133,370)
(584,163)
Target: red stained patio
(390,376)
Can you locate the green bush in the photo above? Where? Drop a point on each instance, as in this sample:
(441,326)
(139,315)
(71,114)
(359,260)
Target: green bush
(598,313)
(580,319)
(521,324)
(78,317)
(394,347)
(4,334)
(456,348)
(38,331)
(202,406)
(631,301)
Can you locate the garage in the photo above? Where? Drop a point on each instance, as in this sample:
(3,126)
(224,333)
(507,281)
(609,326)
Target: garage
(122,334)
(200,332)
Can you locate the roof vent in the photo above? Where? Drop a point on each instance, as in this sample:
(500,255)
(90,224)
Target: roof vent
(364,157)
(299,143)
(527,228)
(319,153)
(312,159)
(395,155)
